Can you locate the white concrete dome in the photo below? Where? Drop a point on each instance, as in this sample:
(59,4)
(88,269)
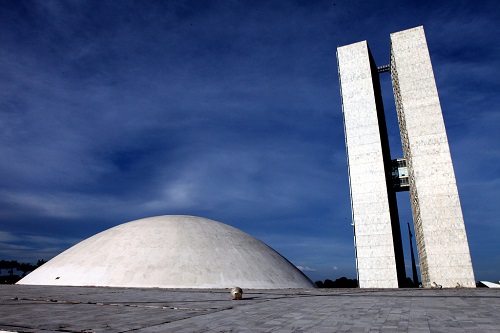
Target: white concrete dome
(170,251)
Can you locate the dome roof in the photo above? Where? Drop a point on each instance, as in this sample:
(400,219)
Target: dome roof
(170,251)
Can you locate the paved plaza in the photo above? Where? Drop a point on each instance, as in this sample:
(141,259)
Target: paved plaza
(89,309)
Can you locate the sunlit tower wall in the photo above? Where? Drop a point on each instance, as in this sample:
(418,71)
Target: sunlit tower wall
(443,250)
(374,207)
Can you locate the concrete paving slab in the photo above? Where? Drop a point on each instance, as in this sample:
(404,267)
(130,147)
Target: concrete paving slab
(87,309)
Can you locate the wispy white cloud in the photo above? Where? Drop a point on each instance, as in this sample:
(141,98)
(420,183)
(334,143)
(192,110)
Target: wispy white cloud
(306,269)
(29,248)
(6,236)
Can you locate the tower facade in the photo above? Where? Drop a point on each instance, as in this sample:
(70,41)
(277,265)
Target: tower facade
(426,170)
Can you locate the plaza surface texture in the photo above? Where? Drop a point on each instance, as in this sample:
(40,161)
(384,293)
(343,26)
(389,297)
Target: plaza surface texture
(27,308)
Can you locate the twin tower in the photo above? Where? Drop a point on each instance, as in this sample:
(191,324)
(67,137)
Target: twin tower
(426,170)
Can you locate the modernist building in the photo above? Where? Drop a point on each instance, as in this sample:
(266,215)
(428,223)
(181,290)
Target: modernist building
(426,169)
(170,251)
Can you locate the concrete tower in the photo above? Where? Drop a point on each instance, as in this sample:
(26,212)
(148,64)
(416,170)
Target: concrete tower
(426,169)
(375,220)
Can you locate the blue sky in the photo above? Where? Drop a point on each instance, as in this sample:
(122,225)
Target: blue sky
(111,111)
